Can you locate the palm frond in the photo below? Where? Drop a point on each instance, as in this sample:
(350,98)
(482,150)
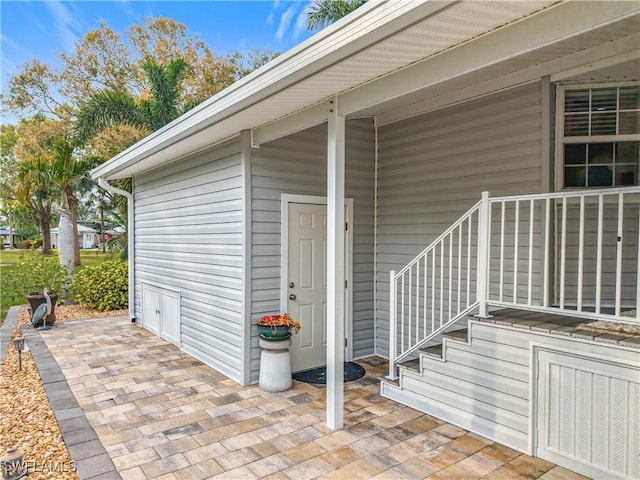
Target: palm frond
(322,13)
(108,107)
(165,89)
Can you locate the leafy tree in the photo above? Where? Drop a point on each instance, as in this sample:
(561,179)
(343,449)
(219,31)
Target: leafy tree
(8,138)
(27,176)
(107,60)
(322,13)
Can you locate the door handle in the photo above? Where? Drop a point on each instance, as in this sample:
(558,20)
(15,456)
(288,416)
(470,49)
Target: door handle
(292,297)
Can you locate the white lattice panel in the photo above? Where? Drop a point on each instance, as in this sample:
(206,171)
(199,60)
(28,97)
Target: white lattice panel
(588,415)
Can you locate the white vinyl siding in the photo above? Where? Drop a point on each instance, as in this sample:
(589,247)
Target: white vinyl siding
(189,239)
(297,164)
(434,167)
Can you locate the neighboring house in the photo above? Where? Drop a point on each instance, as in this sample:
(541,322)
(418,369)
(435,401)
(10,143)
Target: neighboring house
(6,235)
(87,237)
(302,186)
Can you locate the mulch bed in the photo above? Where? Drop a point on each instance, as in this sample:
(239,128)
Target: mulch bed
(27,422)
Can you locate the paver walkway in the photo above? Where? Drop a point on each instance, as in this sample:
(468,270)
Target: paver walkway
(161,414)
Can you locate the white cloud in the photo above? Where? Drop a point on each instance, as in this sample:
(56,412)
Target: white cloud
(17,46)
(126,8)
(270,19)
(66,23)
(300,25)
(285,21)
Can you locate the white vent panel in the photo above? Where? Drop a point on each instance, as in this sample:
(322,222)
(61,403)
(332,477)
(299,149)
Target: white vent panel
(588,415)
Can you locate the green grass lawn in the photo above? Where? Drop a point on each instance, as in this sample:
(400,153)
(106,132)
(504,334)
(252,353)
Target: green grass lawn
(10,262)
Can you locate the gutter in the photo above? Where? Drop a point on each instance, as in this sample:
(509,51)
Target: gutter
(130,243)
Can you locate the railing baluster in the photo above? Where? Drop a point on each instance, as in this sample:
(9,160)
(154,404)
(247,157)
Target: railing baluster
(530,278)
(563,251)
(410,298)
(469,258)
(516,244)
(441,282)
(417,301)
(502,225)
(424,304)
(619,245)
(459,265)
(580,253)
(449,273)
(547,239)
(638,269)
(433,289)
(402,315)
(599,253)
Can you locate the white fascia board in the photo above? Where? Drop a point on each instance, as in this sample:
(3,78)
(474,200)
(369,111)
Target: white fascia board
(296,122)
(544,28)
(608,54)
(377,21)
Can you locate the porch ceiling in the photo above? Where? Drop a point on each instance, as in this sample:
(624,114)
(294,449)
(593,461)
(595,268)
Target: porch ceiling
(355,53)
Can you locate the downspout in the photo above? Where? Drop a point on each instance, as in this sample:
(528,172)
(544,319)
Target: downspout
(130,243)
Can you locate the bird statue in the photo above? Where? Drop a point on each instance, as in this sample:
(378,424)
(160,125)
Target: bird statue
(42,312)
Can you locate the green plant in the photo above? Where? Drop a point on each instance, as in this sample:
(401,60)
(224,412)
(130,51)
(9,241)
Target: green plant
(36,271)
(103,287)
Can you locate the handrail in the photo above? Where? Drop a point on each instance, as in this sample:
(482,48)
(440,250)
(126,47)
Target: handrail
(443,235)
(416,323)
(574,252)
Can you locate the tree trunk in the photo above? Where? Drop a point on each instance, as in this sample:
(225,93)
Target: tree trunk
(65,231)
(73,211)
(45,228)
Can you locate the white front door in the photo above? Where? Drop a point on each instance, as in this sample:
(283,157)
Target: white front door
(307,283)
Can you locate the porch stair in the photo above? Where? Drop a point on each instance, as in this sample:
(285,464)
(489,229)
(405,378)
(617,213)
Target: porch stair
(479,377)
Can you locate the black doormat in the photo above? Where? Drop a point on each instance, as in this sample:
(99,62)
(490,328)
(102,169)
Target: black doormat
(352,371)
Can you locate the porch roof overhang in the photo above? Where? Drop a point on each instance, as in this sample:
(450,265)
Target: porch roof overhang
(393,59)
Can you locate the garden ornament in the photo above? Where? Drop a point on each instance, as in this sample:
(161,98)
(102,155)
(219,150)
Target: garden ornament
(42,312)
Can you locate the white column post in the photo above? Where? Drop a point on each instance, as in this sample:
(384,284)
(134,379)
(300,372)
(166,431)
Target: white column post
(335,266)
(483,255)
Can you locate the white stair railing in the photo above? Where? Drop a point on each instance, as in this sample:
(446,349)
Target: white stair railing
(575,253)
(435,290)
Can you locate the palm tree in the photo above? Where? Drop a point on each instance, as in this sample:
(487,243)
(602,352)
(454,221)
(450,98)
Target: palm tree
(33,191)
(113,107)
(322,13)
(70,175)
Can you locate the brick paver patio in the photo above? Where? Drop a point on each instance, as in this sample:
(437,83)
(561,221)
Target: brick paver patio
(161,414)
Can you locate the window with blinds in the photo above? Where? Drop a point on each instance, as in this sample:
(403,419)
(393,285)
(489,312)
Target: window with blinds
(601,136)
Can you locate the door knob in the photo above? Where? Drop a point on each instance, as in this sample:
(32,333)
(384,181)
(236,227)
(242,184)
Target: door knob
(291,285)
(292,297)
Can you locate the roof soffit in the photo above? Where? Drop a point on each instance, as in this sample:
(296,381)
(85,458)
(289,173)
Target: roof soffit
(223,117)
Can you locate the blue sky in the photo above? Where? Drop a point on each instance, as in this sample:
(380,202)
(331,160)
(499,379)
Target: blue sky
(42,29)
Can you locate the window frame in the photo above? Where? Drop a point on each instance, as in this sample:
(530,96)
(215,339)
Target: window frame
(561,140)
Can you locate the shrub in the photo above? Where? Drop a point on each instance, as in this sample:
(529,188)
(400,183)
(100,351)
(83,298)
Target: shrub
(103,287)
(37,271)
